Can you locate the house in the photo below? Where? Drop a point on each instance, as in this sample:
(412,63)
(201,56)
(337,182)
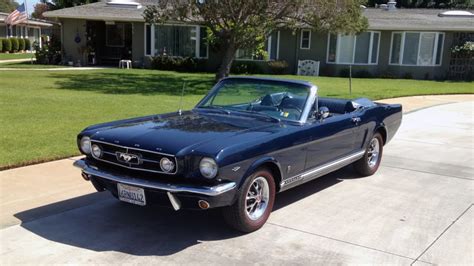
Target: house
(32,29)
(398,42)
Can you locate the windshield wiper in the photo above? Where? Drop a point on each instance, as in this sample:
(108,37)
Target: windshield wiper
(216,108)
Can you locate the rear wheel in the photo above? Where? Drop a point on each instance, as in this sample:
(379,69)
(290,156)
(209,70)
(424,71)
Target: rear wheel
(370,162)
(254,203)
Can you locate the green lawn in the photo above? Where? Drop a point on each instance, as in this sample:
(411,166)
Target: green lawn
(42,111)
(15,56)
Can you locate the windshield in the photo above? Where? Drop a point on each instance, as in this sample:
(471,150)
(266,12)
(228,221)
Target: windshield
(280,100)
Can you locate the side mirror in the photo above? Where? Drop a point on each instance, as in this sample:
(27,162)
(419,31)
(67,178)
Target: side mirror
(323,112)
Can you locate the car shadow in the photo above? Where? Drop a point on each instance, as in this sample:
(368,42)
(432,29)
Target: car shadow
(99,222)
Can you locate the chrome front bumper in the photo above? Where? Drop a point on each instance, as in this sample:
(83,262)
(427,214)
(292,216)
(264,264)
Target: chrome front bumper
(172,188)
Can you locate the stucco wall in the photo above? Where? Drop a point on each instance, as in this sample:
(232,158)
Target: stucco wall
(72,28)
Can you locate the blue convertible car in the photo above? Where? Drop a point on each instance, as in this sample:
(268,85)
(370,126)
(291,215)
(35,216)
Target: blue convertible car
(247,140)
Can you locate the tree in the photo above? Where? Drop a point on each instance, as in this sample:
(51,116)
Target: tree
(8,6)
(237,24)
(458,4)
(40,8)
(59,4)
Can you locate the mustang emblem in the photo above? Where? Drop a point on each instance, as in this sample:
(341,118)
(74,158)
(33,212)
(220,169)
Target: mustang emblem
(128,158)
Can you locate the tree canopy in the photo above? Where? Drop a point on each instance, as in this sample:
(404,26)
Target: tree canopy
(8,6)
(236,24)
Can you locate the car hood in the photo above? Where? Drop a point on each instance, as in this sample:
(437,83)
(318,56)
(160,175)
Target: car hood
(178,134)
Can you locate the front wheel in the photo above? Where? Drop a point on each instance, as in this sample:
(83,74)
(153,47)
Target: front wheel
(370,162)
(254,203)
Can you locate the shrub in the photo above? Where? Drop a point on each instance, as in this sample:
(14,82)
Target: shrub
(362,74)
(49,53)
(27,44)
(21,44)
(246,67)
(278,67)
(15,44)
(178,63)
(1,45)
(7,45)
(407,75)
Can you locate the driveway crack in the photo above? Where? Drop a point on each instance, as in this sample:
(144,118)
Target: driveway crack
(440,235)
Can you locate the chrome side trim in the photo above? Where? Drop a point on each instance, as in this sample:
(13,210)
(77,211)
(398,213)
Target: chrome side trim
(201,190)
(136,168)
(323,169)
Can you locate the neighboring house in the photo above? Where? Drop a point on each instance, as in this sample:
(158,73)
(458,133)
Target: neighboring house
(33,29)
(399,42)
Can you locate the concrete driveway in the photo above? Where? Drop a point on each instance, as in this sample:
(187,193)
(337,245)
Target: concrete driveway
(416,209)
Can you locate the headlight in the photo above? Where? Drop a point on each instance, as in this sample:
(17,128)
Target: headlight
(208,168)
(85,145)
(96,151)
(166,165)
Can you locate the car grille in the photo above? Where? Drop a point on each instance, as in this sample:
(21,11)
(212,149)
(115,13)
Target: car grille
(146,160)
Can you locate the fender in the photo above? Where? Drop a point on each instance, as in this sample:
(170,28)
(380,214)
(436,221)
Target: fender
(383,128)
(256,164)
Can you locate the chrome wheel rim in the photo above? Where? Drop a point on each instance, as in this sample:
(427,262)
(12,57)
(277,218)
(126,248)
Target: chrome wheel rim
(373,152)
(256,201)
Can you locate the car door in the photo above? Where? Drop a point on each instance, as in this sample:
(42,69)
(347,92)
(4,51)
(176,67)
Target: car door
(331,138)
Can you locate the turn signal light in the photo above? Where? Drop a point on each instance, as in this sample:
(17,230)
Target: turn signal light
(203,204)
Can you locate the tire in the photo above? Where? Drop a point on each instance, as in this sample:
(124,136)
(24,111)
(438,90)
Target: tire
(370,162)
(237,215)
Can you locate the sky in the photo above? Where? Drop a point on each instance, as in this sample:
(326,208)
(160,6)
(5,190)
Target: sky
(30,4)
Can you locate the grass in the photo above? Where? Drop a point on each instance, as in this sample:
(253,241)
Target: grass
(16,56)
(42,111)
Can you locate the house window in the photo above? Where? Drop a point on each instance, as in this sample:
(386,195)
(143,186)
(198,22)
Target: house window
(362,49)
(416,48)
(175,40)
(305,42)
(147,39)
(115,35)
(270,48)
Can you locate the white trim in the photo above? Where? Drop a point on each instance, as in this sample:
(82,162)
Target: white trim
(354,51)
(402,48)
(301,39)
(278,46)
(269,47)
(198,41)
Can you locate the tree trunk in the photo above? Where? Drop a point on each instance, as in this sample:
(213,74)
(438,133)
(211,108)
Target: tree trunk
(226,63)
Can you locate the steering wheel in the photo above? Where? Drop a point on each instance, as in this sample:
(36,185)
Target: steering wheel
(290,106)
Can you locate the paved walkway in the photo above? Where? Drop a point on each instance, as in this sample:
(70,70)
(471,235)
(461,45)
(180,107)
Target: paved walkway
(52,69)
(17,60)
(417,209)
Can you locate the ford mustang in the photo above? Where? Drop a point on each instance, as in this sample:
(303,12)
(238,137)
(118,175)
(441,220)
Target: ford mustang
(247,140)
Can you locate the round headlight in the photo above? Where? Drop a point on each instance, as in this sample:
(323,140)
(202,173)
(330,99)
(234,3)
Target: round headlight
(208,168)
(166,165)
(85,145)
(96,151)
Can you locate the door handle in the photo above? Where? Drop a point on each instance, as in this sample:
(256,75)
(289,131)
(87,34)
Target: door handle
(356,120)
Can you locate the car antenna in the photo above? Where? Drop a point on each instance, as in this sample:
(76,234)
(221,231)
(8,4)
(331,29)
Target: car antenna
(181,100)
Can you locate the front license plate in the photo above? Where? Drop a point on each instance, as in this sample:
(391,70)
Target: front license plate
(134,195)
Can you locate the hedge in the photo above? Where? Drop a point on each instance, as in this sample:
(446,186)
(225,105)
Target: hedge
(21,44)
(15,44)
(1,45)
(7,45)
(27,44)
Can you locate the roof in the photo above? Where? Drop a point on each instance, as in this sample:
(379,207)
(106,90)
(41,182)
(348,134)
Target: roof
(103,11)
(34,22)
(416,19)
(379,19)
